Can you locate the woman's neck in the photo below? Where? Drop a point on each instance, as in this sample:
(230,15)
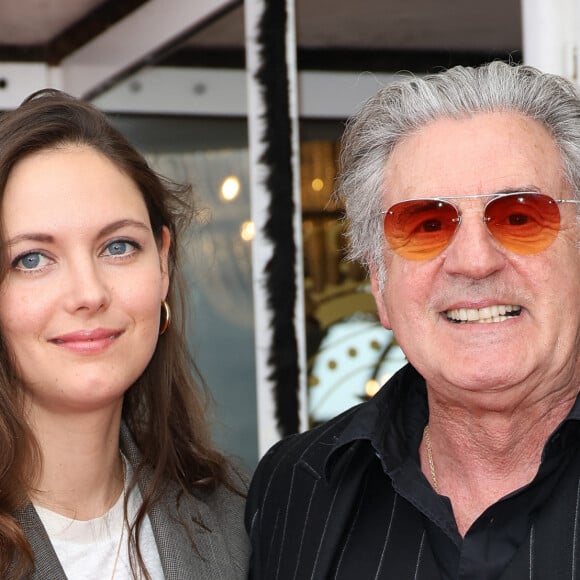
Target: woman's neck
(82,469)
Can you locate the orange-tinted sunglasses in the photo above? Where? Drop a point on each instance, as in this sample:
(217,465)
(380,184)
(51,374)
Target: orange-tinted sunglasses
(523,222)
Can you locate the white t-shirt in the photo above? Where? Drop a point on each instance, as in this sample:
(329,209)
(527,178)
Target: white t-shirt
(87,550)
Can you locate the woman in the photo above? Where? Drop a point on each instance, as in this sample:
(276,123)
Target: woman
(106,465)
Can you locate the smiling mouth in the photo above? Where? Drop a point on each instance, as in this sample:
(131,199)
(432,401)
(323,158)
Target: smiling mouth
(89,340)
(495,313)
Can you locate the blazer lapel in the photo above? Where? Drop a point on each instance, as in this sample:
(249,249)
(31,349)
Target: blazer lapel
(206,557)
(47,564)
(315,514)
(340,511)
(216,553)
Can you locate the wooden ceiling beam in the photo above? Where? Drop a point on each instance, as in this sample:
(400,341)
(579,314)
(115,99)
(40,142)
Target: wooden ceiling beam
(141,38)
(89,27)
(346,59)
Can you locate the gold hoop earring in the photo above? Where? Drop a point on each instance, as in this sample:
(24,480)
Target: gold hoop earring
(167,319)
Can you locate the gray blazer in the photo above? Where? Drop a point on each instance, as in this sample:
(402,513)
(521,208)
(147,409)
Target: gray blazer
(221,552)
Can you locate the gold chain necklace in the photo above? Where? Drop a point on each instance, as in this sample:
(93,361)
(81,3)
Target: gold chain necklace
(123,522)
(427,439)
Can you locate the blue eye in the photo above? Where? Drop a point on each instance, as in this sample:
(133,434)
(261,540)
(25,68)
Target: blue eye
(119,248)
(31,261)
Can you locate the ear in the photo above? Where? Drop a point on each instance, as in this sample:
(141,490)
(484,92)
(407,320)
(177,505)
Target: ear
(378,294)
(164,259)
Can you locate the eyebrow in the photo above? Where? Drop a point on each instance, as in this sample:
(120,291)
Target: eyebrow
(527,188)
(107,230)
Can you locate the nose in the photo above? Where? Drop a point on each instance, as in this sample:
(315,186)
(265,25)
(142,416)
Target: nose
(473,252)
(86,286)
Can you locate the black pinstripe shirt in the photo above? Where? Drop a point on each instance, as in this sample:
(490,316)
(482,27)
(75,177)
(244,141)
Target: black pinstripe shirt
(348,501)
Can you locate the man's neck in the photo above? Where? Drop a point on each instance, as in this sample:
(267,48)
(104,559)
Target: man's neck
(480,456)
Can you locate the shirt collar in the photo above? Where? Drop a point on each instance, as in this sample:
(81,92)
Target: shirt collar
(392,423)
(389,421)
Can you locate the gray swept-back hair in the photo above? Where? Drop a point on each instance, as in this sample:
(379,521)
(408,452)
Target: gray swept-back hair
(403,107)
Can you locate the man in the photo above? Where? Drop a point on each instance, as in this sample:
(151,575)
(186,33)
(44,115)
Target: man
(461,191)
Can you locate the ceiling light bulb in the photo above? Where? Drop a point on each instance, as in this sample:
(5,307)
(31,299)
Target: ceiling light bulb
(230,188)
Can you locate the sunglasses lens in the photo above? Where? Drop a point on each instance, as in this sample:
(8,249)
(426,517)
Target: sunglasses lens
(420,229)
(524,223)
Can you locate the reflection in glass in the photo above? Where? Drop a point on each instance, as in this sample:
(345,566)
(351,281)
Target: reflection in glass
(350,355)
(220,282)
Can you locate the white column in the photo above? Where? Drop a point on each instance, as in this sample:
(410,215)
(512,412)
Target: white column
(299,311)
(550,30)
(262,247)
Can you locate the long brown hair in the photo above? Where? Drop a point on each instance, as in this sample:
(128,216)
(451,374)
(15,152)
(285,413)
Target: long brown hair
(166,407)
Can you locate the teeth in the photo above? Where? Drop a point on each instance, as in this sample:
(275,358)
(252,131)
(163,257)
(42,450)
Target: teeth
(495,313)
